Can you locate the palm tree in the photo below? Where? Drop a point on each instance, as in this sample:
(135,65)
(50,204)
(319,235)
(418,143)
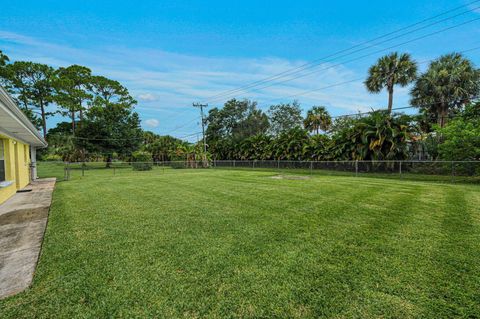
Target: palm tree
(317,119)
(391,70)
(450,82)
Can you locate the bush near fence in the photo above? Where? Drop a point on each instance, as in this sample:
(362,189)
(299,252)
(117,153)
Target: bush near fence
(142,161)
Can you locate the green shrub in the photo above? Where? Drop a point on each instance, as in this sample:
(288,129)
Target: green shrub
(51,157)
(461,140)
(142,161)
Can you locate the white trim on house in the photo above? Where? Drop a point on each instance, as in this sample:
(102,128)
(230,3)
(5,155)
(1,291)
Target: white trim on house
(14,124)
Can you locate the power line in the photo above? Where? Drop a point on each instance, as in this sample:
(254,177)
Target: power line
(135,138)
(125,139)
(106,139)
(342,83)
(351,81)
(315,62)
(373,111)
(182,126)
(317,89)
(304,67)
(403,108)
(369,54)
(180,113)
(189,135)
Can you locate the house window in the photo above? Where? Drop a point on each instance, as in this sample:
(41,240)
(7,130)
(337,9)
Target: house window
(2,161)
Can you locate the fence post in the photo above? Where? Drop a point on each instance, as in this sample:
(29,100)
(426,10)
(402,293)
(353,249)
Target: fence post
(83,169)
(400,169)
(453,172)
(311,167)
(68,171)
(65,172)
(253,164)
(233,163)
(356,168)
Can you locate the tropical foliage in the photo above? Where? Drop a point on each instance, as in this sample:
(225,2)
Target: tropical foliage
(378,136)
(162,148)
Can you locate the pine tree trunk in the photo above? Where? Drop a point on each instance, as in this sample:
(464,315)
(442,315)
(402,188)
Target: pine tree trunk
(73,122)
(80,118)
(44,120)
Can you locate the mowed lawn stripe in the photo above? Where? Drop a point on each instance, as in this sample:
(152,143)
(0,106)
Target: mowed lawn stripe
(219,243)
(359,259)
(455,277)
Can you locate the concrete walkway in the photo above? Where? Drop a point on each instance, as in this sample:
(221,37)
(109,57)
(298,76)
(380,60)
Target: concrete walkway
(23,218)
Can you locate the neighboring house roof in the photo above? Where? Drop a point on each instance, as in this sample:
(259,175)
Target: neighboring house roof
(15,124)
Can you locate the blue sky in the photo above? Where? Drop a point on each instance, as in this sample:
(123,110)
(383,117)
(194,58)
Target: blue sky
(172,53)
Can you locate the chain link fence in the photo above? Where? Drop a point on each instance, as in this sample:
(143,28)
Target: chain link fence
(443,171)
(453,171)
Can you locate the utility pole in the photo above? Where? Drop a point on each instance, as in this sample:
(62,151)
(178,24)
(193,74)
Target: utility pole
(201,106)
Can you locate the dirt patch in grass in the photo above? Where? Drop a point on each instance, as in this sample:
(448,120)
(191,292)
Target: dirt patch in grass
(290,177)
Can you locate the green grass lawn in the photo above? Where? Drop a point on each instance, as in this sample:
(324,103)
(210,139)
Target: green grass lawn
(227,243)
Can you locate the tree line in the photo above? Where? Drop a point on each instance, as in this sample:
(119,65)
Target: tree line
(445,95)
(103,124)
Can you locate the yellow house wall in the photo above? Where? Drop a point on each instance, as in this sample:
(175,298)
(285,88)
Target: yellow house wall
(23,165)
(17,166)
(7,192)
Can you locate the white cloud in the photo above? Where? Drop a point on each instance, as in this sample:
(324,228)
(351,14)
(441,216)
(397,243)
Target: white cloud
(147,97)
(166,83)
(152,123)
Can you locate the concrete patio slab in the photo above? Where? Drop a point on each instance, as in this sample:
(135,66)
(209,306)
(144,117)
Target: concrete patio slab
(23,219)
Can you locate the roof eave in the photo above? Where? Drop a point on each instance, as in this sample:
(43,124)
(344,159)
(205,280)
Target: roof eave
(10,107)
